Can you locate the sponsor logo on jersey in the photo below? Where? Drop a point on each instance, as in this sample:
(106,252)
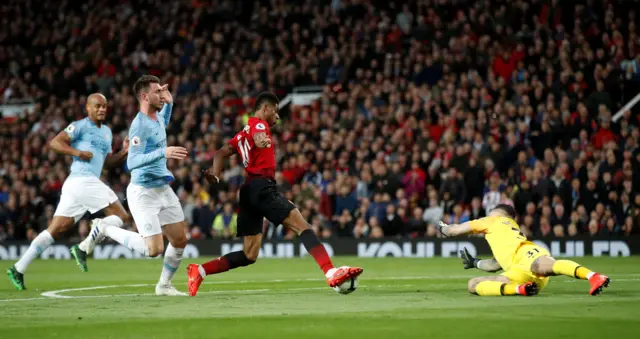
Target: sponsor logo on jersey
(101,145)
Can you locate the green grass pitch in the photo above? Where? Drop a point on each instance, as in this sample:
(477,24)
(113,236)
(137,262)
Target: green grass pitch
(276,298)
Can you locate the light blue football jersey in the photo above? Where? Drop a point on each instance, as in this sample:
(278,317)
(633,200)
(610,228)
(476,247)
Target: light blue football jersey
(146,159)
(87,136)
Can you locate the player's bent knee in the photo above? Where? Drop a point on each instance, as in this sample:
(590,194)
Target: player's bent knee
(295,221)
(535,267)
(155,251)
(126,218)
(251,259)
(471,285)
(252,256)
(118,210)
(155,247)
(55,231)
(251,248)
(180,242)
(543,266)
(176,235)
(59,225)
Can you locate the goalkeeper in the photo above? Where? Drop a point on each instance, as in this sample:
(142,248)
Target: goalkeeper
(527,266)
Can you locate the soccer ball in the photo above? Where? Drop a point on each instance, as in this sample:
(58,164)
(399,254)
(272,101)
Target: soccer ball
(348,286)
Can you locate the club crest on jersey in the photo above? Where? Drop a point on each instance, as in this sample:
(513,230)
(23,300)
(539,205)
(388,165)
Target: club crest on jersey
(260,126)
(135,141)
(70,128)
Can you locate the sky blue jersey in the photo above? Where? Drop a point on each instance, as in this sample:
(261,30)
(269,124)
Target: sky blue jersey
(146,159)
(87,136)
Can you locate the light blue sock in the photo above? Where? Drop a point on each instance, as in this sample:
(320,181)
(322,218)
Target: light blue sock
(172,259)
(38,245)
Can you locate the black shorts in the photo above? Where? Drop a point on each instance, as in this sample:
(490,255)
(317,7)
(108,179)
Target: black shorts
(259,199)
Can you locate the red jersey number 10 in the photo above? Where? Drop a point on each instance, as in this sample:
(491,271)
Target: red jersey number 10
(244,147)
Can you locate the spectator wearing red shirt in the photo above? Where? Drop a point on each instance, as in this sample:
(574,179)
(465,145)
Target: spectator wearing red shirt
(603,135)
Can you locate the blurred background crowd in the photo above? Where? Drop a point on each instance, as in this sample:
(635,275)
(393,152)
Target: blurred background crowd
(430,109)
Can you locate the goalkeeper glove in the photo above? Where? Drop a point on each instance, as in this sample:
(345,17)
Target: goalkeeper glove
(442,228)
(468,260)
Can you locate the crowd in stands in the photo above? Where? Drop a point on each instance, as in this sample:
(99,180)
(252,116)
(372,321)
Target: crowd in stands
(430,109)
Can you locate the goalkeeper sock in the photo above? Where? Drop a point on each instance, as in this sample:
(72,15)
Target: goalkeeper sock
(571,269)
(496,288)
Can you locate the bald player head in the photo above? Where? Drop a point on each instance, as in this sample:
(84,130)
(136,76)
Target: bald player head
(97,108)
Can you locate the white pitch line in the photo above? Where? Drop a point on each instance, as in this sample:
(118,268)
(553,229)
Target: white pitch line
(56,294)
(23,299)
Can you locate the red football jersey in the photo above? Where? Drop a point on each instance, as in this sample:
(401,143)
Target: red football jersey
(257,161)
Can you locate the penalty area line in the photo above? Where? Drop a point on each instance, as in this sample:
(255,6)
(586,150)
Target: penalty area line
(57,295)
(24,299)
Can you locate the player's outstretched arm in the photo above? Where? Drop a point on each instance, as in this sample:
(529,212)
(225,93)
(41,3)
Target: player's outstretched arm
(62,144)
(117,159)
(487,265)
(454,229)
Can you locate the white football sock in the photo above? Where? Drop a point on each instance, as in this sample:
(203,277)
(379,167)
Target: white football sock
(131,240)
(112,220)
(84,244)
(590,275)
(518,289)
(172,259)
(38,245)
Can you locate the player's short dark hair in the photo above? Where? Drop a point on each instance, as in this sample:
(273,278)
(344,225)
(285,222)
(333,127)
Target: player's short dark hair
(265,98)
(144,83)
(508,209)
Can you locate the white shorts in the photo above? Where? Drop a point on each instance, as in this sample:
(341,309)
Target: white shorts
(153,208)
(82,194)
